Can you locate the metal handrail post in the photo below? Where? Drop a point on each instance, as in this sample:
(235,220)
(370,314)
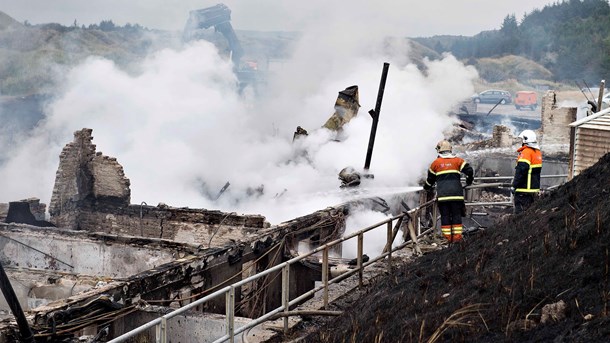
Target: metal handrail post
(434,216)
(230,313)
(325,275)
(161,331)
(389,242)
(286,294)
(163,326)
(417,221)
(360,248)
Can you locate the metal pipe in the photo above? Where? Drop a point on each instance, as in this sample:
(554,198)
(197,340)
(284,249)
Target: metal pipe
(286,294)
(375,115)
(485,185)
(510,177)
(360,250)
(230,313)
(9,294)
(496,105)
(162,331)
(325,269)
(142,204)
(389,240)
(499,203)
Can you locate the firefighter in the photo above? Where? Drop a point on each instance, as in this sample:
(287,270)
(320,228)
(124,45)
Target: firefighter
(445,172)
(526,182)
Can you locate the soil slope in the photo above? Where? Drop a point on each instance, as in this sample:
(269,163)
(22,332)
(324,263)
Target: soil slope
(538,277)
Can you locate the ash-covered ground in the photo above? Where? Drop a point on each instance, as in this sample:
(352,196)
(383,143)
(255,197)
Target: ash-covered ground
(538,277)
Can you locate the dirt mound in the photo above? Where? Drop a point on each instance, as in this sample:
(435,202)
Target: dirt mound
(539,277)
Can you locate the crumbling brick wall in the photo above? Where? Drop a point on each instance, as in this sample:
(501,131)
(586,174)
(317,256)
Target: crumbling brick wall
(92,193)
(502,137)
(554,122)
(85,177)
(109,180)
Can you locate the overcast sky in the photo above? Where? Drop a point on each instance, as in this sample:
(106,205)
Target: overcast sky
(410,18)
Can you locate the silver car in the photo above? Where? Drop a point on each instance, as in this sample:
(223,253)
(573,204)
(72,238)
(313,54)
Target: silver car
(493,96)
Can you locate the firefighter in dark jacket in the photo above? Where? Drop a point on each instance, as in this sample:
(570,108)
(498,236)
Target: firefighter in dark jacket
(445,172)
(526,182)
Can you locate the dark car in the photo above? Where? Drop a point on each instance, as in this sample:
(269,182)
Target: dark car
(493,96)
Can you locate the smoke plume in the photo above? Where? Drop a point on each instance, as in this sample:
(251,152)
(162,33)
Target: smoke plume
(182,130)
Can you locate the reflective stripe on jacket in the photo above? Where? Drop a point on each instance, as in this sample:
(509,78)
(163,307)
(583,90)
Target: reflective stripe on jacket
(445,172)
(527,170)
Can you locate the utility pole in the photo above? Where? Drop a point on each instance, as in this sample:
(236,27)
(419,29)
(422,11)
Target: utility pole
(375,115)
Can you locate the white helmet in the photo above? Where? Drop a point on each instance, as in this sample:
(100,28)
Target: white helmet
(528,136)
(443,146)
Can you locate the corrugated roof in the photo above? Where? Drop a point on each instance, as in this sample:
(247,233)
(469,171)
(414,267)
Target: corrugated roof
(598,121)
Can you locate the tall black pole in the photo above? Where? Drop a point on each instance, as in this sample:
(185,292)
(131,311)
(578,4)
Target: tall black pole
(9,294)
(375,115)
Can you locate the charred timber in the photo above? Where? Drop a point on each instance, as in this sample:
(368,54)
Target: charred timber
(375,115)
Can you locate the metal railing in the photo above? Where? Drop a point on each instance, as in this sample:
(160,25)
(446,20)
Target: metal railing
(412,224)
(484,182)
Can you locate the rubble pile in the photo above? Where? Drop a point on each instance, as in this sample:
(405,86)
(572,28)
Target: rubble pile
(543,276)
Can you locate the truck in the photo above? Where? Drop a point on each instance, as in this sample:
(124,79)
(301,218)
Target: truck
(526,99)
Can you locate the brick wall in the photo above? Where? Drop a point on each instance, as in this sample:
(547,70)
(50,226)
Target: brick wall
(91,193)
(554,124)
(502,136)
(73,180)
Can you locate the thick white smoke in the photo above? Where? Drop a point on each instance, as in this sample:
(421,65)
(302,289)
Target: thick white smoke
(181,129)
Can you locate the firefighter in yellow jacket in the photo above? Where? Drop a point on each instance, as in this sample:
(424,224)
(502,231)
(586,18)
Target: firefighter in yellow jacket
(446,171)
(526,182)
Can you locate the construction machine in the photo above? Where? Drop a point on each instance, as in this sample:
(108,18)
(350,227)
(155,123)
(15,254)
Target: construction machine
(218,16)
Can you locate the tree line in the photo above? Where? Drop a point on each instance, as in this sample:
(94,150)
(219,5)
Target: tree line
(104,25)
(570,38)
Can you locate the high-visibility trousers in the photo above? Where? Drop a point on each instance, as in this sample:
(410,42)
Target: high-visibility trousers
(451,219)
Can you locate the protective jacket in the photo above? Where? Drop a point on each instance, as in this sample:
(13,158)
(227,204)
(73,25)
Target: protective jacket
(445,172)
(527,170)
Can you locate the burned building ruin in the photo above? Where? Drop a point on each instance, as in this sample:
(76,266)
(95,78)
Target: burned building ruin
(132,262)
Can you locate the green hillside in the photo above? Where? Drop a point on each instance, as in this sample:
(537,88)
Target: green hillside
(32,58)
(564,42)
(571,39)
